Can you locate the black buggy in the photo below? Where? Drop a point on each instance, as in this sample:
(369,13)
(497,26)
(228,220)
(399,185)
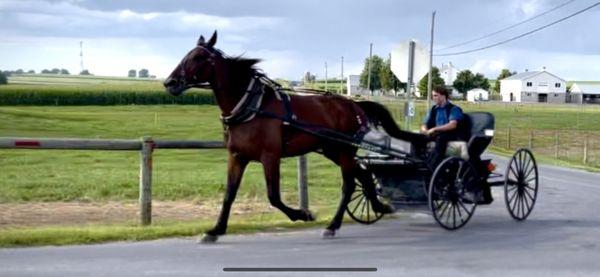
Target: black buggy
(453,189)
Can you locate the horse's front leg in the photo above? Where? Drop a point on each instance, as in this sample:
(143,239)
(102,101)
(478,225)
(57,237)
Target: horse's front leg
(235,170)
(271,167)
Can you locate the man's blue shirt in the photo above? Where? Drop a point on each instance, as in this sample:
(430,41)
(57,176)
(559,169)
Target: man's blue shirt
(440,115)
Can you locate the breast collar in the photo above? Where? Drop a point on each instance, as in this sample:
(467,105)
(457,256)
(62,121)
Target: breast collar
(249,105)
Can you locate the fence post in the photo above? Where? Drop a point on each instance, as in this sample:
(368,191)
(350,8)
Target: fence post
(302,183)
(508,138)
(531,140)
(585,149)
(556,145)
(146,181)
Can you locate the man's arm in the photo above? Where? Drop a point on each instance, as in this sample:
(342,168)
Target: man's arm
(445,128)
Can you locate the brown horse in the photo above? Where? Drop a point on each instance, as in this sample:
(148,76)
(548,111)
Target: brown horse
(257,118)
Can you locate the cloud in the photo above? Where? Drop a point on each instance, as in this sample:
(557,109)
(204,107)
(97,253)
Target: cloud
(66,19)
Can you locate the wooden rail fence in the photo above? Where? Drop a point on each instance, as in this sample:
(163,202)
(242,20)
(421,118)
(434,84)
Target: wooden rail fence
(146,146)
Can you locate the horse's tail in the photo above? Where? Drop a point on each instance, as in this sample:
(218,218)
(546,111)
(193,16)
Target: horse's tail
(378,115)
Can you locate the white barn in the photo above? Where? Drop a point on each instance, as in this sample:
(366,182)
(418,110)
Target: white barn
(478,94)
(585,93)
(533,86)
(448,72)
(353,86)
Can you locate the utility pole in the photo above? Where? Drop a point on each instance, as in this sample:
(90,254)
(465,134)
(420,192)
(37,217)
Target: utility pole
(81,55)
(369,73)
(409,84)
(429,79)
(326,88)
(342,81)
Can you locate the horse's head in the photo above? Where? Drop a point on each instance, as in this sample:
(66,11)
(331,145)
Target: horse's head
(196,69)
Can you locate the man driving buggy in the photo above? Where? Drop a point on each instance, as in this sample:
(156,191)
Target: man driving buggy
(442,125)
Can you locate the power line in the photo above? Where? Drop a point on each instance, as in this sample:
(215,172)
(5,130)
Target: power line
(519,36)
(509,27)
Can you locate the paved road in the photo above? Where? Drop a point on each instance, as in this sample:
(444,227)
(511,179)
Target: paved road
(560,238)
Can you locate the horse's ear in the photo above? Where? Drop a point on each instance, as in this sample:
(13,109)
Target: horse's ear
(212,40)
(201,40)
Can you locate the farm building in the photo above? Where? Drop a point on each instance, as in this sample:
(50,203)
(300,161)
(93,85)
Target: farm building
(533,86)
(585,93)
(478,94)
(353,86)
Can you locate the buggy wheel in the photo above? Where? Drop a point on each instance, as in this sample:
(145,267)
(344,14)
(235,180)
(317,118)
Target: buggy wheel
(360,207)
(521,184)
(448,200)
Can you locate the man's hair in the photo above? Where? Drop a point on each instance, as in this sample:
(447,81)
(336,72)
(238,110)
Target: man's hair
(442,90)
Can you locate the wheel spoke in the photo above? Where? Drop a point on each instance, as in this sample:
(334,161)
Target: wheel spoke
(458,210)
(443,211)
(513,171)
(530,179)
(453,216)
(511,197)
(522,197)
(529,172)
(362,210)
(359,194)
(368,211)
(527,163)
(526,200)
(448,214)
(529,194)
(515,200)
(357,205)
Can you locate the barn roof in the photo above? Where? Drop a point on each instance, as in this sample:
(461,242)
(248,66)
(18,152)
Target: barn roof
(530,74)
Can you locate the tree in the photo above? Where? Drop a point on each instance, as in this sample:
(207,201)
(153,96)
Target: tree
(64,72)
(376,65)
(85,72)
(19,71)
(388,79)
(481,81)
(55,71)
(132,73)
(505,73)
(436,81)
(465,81)
(3,79)
(31,71)
(46,71)
(143,73)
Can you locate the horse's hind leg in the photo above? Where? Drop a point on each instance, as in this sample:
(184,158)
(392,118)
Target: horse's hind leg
(347,164)
(235,170)
(271,164)
(366,179)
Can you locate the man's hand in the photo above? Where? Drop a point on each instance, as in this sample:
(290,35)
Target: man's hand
(430,132)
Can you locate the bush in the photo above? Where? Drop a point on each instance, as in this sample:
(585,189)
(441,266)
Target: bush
(3,79)
(75,97)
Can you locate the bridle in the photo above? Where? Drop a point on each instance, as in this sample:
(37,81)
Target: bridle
(211,61)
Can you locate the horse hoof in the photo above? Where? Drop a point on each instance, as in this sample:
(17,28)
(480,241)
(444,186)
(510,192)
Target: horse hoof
(308,216)
(328,234)
(208,238)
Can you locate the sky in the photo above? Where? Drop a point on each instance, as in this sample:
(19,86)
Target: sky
(292,37)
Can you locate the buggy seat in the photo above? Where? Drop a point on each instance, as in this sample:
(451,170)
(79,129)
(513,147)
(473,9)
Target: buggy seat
(481,128)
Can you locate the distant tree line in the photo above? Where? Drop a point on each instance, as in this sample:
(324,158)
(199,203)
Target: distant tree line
(44,71)
(382,78)
(143,73)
